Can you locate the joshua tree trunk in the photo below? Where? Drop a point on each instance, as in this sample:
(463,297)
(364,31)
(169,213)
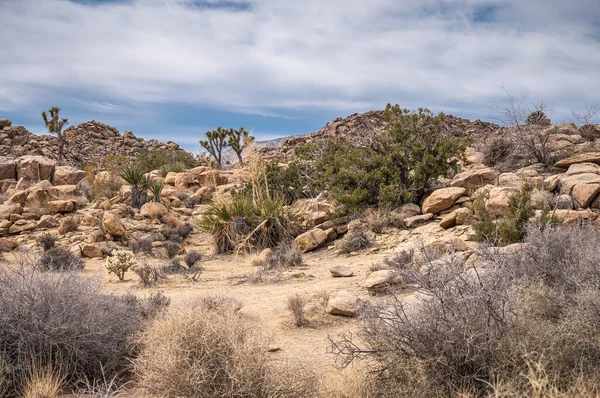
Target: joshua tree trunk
(139,196)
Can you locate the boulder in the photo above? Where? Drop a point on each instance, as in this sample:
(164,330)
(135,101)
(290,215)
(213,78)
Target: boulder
(8,169)
(568,181)
(589,131)
(8,209)
(7,245)
(339,271)
(67,224)
(35,167)
(62,206)
(47,221)
(311,240)
(584,194)
(568,217)
(67,175)
(358,225)
(475,178)
(5,123)
(405,211)
(442,199)
(460,216)
(90,221)
(343,303)
(411,222)
(589,157)
(21,226)
(154,210)
(382,280)
(91,251)
(564,202)
(112,225)
(184,180)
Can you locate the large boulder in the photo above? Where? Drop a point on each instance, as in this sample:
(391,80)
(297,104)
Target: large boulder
(67,175)
(589,157)
(7,245)
(475,178)
(154,210)
(381,280)
(343,303)
(62,206)
(35,167)
(112,225)
(442,199)
(311,240)
(589,131)
(399,214)
(568,217)
(8,209)
(91,251)
(584,194)
(8,169)
(21,226)
(413,221)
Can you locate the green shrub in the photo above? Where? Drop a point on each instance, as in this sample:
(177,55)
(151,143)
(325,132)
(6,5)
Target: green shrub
(156,187)
(509,228)
(155,159)
(290,182)
(177,167)
(134,176)
(246,224)
(394,168)
(119,263)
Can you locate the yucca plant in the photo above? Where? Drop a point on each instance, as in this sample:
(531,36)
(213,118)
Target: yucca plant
(134,176)
(156,187)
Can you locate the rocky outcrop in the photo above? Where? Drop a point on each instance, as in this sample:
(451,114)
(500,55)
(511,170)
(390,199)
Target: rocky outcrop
(36,168)
(442,199)
(67,175)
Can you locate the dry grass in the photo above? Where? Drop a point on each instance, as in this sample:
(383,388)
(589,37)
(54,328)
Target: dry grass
(296,304)
(377,219)
(43,381)
(207,349)
(352,242)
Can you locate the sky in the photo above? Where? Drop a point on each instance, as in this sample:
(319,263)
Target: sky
(173,69)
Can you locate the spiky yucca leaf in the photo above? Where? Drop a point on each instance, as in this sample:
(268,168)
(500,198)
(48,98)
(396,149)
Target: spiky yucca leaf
(133,175)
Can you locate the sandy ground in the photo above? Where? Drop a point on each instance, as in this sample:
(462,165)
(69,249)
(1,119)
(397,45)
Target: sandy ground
(267,302)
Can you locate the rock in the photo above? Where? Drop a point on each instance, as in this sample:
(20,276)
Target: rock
(589,131)
(67,175)
(357,226)
(550,183)
(311,240)
(405,211)
(7,245)
(112,225)
(35,167)
(510,180)
(184,180)
(382,280)
(474,179)
(317,218)
(8,169)
(331,234)
(21,226)
(154,210)
(564,202)
(67,225)
(21,197)
(5,123)
(91,251)
(47,221)
(339,271)
(449,220)
(4,226)
(568,217)
(170,178)
(90,221)
(411,222)
(8,209)
(343,303)
(460,216)
(584,194)
(442,199)
(96,236)
(568,181)
(589,157)
(62,206)
(264,257)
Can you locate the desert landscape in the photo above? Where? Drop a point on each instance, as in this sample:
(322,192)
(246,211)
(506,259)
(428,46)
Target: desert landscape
(290,257)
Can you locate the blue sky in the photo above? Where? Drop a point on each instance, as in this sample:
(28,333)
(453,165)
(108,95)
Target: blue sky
(172,69)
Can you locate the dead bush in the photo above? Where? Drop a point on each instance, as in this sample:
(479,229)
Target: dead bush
(377,219)
(285,255)
(171,248)
(64,320)
(149,274)
(145,245)
(296,304)
(206,349)
(46,241)
(61,260)
(191,258)
(352,242)
(179,233)
(469,328)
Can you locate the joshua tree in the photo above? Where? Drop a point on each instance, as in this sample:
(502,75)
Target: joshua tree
(55,125)
(239,140)
(215,142)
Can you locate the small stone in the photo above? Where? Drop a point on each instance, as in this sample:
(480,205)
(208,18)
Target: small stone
(340,271)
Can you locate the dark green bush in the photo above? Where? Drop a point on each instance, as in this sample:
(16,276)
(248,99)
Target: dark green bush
(394,168)
(154,159)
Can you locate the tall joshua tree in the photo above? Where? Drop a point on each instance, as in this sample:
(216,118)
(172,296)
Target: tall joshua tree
(55,125)
(215,142)
(239,140)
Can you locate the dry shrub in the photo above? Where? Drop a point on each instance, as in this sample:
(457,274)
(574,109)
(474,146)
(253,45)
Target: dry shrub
(171,248)
(61,319)
(191,258)
(352,242)
(295,304)
(179,233)
(43,381)
(60,260)
(377,219)
(145,245)
(285,255)
(469,329)
(149,274)
(206,349)
(46,241)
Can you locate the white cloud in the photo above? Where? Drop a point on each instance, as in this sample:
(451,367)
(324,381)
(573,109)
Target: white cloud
(277,56)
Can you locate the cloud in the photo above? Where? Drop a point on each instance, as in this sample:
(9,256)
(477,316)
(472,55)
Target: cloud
(273,57)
